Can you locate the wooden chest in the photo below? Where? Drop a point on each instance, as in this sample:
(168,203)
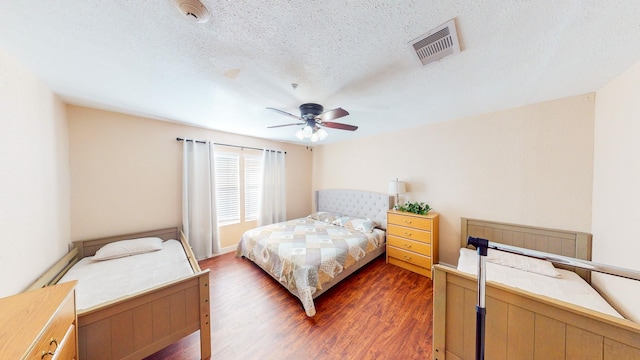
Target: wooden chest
(412,241)
(40,324)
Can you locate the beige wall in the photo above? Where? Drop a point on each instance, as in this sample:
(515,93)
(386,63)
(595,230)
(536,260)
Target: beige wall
(529,165)
(126,172)
(616,178)
(70,172)
(34,177)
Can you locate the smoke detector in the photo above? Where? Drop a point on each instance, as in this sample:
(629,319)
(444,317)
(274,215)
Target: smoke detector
(437,43)
(194,10)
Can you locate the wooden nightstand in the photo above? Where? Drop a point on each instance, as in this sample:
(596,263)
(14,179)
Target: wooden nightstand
(412,241)
(40,324)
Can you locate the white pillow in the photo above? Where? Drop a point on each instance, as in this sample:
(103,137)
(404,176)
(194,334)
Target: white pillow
(364,225)
(325,216)
(124,248)
(524,263)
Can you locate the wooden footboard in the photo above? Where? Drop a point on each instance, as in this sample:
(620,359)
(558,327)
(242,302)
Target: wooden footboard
(139,325)
(522,325)
(147,322)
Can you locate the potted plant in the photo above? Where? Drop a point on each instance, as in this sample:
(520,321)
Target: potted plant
(419,208)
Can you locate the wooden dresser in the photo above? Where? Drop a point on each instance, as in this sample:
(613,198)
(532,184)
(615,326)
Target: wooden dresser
(412,241)
(40,324)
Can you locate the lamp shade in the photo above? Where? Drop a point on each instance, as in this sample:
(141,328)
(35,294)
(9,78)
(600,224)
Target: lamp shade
(322,134)
(307,131)
(396,187)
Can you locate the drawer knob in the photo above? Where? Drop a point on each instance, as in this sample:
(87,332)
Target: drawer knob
(408,246)
(406,257)
(408,221)
(45,353)
(406,233)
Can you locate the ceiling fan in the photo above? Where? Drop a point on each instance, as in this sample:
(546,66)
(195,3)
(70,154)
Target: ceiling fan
(312,118)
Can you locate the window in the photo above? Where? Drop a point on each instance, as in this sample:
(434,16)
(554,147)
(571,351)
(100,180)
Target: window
(227,187)
(252,186)
(232,170)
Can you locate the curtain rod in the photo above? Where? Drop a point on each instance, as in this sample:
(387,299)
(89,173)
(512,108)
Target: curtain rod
(229,145)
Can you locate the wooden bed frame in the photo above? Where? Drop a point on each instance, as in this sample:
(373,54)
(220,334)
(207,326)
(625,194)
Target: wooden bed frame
(520,324)
(141,324)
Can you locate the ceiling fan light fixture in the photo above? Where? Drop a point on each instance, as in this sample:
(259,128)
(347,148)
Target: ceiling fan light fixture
(322,134)
(307,131)
(313,119)
(313,133)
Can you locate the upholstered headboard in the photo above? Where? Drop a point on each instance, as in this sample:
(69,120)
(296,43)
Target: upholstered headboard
(357,203)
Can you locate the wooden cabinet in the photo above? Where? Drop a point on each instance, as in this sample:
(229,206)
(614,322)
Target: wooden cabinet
(40,324)
(412,241)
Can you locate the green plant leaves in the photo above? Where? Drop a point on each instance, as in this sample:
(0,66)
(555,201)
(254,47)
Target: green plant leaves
(415,207)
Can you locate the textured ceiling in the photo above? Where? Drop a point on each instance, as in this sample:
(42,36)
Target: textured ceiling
(145,58)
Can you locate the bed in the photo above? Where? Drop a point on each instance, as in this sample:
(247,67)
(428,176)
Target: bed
(521,324)
(140,323)
(310,255)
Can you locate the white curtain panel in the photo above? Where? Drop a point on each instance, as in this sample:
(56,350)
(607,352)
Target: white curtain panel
(199,218)
(273,200)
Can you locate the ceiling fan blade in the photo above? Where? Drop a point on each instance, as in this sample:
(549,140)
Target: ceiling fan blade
(333,114)
(277,126)
(285,113)
(335,125)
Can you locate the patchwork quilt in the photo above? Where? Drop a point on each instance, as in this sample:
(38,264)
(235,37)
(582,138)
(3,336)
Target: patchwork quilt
(304,253)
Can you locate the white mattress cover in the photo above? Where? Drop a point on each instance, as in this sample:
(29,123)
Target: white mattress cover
(570,288)
(102,281)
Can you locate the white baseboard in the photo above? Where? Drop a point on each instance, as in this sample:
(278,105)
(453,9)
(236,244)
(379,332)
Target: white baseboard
(227,249)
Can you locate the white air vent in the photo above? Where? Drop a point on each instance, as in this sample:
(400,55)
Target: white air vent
(437,43)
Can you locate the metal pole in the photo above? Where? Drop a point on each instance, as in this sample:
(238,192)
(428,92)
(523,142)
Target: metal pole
(481,310)
(483,245)
(569,261)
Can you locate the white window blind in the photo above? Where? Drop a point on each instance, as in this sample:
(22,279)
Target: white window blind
(227,167)
(252,186)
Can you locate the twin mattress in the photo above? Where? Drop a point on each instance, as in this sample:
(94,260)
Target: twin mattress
(568,287)
(106,280)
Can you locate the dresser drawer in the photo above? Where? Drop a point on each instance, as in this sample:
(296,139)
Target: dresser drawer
(409,233)
(55,332)
(410,245)
(409,266)
(30,320)
(410,257)
(409,221)
(67,349)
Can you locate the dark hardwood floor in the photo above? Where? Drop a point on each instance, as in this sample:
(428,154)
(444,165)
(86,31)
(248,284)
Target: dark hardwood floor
(380,312)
